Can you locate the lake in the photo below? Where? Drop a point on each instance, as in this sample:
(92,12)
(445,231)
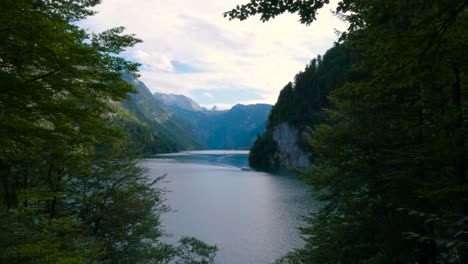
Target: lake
(251,216)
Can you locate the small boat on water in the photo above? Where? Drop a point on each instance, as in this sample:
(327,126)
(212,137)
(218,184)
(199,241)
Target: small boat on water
(245,169)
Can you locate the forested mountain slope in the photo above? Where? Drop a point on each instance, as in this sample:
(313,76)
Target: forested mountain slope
(162,123)
(151,125)
(235,128)
(179,101)
(299,106)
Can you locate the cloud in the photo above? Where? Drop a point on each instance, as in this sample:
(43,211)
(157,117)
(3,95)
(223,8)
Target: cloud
(180,67)
(208,95)
(229,96)
(190,48)
(209,34)
(153,61)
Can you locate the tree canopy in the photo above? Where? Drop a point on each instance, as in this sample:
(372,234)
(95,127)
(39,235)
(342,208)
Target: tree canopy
(391,164)
(71,189)
(301,103)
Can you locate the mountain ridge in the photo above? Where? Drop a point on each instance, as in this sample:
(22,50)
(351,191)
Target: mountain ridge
(151,126)
(178,100)
(235,128)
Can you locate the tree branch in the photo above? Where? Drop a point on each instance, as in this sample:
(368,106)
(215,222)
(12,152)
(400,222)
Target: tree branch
(41,76)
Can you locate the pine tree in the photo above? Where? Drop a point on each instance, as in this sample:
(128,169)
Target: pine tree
(391,166)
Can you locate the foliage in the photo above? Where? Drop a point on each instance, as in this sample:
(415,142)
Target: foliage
(301,103)
(311,88)
(391,164)
(71,189)
(171,132)
(194,251)
(261,154)
(143,134)
(307,9)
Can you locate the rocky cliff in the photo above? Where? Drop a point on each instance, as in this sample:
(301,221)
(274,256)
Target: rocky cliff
(300,105)
(289,153)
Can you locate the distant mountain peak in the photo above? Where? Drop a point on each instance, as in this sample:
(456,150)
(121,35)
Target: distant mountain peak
(235,128)
(180,101)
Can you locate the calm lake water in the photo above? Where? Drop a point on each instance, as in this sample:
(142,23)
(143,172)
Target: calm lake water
(251,216)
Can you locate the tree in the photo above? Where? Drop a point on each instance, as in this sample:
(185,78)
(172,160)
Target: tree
(392,164)
(301,104)
(70,189)
(194,251)
(55,78)
(307,9)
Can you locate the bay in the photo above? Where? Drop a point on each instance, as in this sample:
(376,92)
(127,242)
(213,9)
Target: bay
(251,216)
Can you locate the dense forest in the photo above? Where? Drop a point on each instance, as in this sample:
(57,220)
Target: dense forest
(390,162)
(301,104)
(71,189)
(169,133)
(386,109)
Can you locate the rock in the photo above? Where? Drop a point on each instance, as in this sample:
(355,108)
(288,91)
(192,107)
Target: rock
(288,151)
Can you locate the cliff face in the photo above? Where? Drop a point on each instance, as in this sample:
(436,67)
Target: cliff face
(288,153)
(300,105)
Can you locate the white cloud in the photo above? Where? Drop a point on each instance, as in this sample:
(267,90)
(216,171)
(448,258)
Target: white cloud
(243,54)
(153,60)
(209,95)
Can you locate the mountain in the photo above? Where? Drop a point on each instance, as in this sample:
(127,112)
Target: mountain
(180,101)
(161,123)
(236,128)
(300,105)
(151,125)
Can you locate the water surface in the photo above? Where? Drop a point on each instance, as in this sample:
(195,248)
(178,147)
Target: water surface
(251,216)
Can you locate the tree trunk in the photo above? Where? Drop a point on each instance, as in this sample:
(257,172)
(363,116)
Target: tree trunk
(8,197)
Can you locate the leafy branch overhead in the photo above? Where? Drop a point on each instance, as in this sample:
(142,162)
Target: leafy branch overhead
(307,9)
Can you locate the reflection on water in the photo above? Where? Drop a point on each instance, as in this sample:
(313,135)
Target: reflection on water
(251,216)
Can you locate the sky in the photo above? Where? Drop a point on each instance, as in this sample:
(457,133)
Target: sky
(189,48)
